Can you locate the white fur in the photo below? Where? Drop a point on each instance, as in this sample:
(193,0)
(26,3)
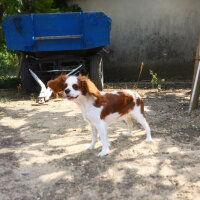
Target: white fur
(92,115)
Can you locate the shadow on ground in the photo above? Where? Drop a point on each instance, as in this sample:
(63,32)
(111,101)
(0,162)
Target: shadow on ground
(43,157)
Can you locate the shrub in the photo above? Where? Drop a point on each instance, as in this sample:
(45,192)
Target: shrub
(155,81)
(9,82)
(8,62)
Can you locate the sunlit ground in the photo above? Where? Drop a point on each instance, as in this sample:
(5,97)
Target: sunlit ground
(43,156)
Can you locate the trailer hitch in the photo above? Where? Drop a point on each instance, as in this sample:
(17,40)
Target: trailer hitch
(46,92)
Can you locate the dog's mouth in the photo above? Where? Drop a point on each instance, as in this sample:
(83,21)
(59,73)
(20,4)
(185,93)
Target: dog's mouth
(71,98)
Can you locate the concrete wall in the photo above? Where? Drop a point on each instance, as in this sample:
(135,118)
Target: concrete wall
(161,33)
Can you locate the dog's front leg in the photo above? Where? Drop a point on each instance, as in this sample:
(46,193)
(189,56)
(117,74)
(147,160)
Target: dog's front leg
(94,138)
(103,135)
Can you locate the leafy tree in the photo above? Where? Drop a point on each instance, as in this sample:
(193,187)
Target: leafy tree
(9,7)
(37,6)
(8,59)
(64,7)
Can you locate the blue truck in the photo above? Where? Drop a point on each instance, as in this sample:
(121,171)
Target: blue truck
(53,43)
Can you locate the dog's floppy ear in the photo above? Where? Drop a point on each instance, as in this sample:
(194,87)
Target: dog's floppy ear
(87,86)
(58,84)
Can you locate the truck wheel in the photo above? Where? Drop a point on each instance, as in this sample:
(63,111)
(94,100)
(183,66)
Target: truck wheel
(28,83)
(96,71)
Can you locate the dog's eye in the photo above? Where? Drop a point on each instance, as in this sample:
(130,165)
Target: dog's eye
(75,87)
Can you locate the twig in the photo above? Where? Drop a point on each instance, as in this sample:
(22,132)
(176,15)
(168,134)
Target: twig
(141,69)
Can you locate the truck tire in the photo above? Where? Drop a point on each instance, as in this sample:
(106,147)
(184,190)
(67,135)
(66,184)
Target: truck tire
(27,81)
(96,71)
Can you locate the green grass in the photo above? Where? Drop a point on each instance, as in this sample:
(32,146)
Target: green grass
(193,127)
(33,97)
(57,100)
(4,100)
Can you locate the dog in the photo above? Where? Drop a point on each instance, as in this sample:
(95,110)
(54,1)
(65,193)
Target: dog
(100,109)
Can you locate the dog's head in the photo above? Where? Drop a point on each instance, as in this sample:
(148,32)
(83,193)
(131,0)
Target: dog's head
(74,87)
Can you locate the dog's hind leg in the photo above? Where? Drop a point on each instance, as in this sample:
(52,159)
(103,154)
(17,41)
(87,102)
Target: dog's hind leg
(129,123)
(142,120)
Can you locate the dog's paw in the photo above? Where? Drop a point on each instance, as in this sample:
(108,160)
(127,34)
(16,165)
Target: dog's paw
(148,140)
(90,146)
(103,152)
(127,134)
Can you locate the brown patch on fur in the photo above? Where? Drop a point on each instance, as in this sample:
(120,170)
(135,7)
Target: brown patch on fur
(140,103)
(87,86)
(58,85)
(120,103)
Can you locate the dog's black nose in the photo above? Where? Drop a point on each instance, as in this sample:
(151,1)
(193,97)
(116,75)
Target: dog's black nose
(67,91)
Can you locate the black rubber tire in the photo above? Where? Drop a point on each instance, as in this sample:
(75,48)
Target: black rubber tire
(96,71)
(27,81)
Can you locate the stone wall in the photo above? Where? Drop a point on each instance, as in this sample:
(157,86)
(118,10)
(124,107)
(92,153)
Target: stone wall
(161,33)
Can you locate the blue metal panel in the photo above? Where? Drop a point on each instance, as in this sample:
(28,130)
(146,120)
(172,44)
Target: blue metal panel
(57,32)
(18,32)
(96,29)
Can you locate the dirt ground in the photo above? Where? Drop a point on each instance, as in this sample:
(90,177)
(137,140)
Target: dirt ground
(43,156)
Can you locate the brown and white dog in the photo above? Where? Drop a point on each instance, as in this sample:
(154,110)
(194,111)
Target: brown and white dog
(100,109)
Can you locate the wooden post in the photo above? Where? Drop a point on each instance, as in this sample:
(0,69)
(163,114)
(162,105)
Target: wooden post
(197,89)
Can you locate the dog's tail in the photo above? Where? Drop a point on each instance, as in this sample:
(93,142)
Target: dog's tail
(141,104)
(142,108)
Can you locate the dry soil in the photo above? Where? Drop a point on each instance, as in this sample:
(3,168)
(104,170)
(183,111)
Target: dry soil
(43,156)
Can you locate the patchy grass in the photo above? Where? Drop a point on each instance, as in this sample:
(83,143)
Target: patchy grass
(4,100)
